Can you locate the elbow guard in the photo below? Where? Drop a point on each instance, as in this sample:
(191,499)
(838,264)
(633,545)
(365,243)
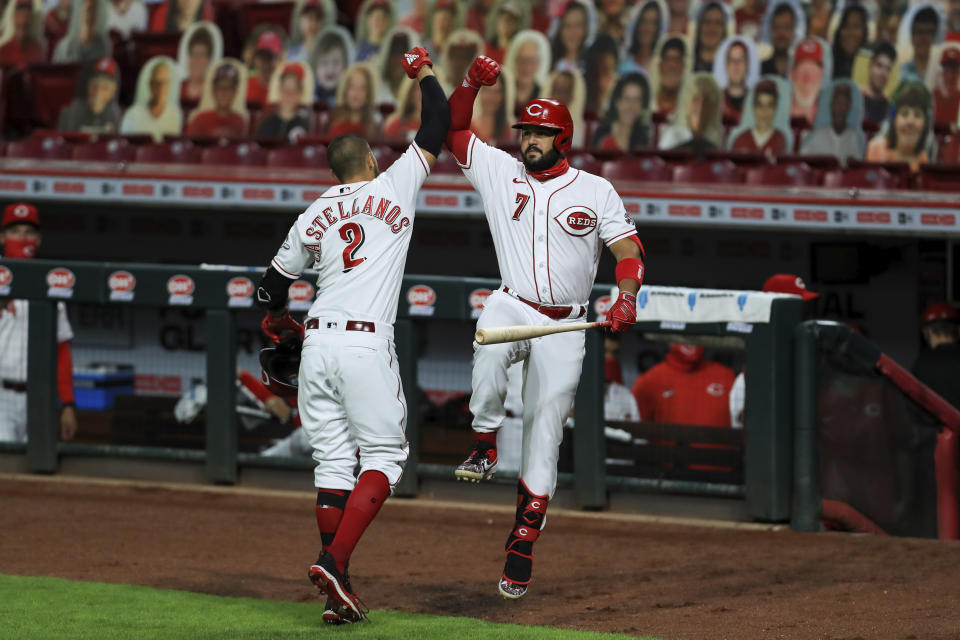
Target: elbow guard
(273,290)
(434,116)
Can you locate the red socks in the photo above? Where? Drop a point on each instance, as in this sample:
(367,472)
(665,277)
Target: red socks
(361,508)
(330,504)
(489,438)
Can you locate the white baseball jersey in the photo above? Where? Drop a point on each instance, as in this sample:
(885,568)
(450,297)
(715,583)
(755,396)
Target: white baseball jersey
(548,236)
(14,320)
(356,235)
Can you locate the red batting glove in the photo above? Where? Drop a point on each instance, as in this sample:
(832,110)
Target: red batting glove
(483,72)
(623,313)
(277,328)
(414,60)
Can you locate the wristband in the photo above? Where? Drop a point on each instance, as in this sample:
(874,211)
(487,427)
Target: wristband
(630,269)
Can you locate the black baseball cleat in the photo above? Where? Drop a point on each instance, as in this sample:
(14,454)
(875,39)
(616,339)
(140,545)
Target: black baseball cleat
(480,464)
(335,614)
(346,605)
(512,590)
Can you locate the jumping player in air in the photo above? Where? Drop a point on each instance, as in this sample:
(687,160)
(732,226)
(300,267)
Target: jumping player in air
(549,223)
(356,236)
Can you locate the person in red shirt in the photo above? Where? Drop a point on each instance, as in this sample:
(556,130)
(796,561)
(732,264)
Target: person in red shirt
(266,53)
(22,42)
(685,389)
(946,95)
(221,112)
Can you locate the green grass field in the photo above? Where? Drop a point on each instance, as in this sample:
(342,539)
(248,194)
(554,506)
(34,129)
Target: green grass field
(55,609)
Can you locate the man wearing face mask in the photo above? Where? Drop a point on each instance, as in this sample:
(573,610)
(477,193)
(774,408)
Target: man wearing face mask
(20,238)
(685,389)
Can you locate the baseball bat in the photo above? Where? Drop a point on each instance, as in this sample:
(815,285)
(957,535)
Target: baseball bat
(497,335)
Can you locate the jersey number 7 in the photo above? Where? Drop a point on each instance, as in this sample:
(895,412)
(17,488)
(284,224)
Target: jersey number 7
(522,203)
(352,234)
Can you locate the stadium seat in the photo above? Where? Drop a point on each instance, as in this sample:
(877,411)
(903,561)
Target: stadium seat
(718,171)
(385,155)
(247,154)
(820,163)
(793,175)
(648,169)
(52,87)
(739,158)
(446,164)
(113,150)
(309,156)
(950,149)
(939,177)
(148,45)
(899,170)
(585,162)
(176,151)
(862,177)
(253,14)
(41,148)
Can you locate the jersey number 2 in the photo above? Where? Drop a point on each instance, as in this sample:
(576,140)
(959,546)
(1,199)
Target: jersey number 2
(521,203)
(352,234)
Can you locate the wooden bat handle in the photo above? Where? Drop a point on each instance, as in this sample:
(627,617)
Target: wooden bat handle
(498,335)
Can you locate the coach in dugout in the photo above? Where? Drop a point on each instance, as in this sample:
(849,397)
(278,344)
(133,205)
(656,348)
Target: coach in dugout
(20,238)
(938,366)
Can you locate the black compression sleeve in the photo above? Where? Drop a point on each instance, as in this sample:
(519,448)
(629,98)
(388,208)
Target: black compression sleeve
(272,290)
(434,116)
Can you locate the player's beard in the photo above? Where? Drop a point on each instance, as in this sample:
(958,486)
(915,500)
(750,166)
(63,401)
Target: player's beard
(546,161)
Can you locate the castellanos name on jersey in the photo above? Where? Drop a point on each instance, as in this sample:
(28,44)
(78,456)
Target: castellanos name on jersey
(356,235)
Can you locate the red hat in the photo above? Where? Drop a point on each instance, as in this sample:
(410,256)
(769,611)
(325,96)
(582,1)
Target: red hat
(950,55)
(106,66)
(543,112)
(293,68)
(939,311)
(269,41)
(788,283)
(20,213)
(808,50)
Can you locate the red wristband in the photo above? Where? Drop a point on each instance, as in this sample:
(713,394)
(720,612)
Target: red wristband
(630,269)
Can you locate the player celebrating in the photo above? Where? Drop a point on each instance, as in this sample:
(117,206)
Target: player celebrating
(548,221)
(356,234)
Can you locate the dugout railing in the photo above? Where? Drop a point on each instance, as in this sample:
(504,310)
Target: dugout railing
(764,324)
(875,449)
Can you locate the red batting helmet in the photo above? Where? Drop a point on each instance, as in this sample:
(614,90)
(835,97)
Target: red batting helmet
(543,112)
(939,311)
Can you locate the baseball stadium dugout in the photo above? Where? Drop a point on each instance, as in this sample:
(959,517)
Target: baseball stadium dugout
(756,462)
(876,450)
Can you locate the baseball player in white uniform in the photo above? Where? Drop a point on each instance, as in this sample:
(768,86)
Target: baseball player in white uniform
(350,396)
(549,223)
(20,238)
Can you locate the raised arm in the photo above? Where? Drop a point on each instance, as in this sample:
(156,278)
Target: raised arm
(483,72)
(434,109)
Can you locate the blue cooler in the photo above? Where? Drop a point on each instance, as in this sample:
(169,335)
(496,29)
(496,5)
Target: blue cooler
(96,386)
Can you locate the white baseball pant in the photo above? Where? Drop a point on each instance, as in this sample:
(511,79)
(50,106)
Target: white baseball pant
(351,399)
(551,373)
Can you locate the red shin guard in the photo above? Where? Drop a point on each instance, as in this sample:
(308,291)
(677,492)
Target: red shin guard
(531,510)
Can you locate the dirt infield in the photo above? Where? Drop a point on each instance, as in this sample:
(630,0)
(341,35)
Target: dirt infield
(596,574)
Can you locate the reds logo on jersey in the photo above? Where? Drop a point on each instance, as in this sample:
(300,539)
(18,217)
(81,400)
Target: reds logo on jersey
(577,221)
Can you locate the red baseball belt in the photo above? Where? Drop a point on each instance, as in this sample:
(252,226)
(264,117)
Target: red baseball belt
(551,311)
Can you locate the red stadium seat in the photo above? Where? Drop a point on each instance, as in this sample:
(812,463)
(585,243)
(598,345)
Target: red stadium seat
(148,45)
(41,148)
(113,150)
(176,151)
(940,177)
(899,170)
(52,87)
(385,155)
(718,171)
(247,154)
(253,14)
(862,177)
(739,158)
(649,169)
(950,149)
(818,163)
(309,156)
(585,162)
(446,164)
(793,175)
